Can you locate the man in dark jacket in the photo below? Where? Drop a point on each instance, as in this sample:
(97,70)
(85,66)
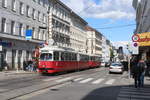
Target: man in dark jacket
(138,73)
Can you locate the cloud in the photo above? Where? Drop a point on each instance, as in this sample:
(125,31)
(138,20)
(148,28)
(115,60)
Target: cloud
(112,9)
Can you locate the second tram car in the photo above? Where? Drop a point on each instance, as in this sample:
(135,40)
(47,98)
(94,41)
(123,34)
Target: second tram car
(54,59)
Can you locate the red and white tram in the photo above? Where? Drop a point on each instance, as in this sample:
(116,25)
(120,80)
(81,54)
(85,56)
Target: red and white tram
(54,59)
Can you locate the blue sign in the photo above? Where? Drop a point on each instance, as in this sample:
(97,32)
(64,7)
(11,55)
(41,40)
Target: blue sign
(28,34)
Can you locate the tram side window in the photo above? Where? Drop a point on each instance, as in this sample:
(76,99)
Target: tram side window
(56,56)
(62,56)
(46,56)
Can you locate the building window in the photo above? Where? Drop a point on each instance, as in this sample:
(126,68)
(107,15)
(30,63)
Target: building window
(12,27)
(38,16)
(21,8)
(33,32)
(3,25)
(39,1)
(33,13)
(27,27)
(38,35)
(13,5)
(27,11)
(4,3)
(20,29)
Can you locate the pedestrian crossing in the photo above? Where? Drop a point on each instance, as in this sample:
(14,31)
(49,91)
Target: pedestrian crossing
(132,93)
(85,80)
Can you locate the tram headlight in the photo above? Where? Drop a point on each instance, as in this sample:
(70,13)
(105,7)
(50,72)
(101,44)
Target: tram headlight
(43,65)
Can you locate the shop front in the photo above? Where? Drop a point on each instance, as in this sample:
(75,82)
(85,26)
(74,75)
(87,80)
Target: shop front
(143,40)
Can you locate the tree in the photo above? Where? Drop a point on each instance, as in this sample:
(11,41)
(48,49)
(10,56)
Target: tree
(111,54)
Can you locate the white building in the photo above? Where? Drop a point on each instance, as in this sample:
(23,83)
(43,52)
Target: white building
(59,24)
(66,28)
(17,16)
(106,46)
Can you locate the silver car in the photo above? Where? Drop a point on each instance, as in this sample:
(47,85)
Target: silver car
(116,68)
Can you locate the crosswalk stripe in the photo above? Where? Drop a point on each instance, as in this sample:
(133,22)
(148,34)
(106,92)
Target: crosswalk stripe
(50,79)
(86,80)
(98,81)
(109,82)
(64,79)
(78,79)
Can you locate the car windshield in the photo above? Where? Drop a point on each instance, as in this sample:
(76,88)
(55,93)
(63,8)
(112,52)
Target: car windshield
(116,64)
(46,56)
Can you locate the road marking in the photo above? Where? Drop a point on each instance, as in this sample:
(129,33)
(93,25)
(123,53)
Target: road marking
(98,81)
(109,82)
(51,79)
(64,79)
(133,93)
(86,80)
(78,79)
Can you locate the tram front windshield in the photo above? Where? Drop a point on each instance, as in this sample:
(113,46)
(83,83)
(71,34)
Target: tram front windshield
(46,56)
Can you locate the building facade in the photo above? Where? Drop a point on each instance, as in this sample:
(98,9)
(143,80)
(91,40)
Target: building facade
(66,28)
(16,17)
(94,43)
(59,24)
(143,26)
(105,49)
(78,34)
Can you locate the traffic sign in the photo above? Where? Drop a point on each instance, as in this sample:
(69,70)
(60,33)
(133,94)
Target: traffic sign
(135,38)
(28,34)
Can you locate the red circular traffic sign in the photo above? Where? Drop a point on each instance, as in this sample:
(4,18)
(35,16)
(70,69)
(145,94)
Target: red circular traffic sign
(135,38)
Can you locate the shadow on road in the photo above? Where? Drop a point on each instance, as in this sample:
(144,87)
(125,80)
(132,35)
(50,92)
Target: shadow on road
(124,92)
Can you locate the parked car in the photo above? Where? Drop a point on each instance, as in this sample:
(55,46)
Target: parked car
(116,68)
(107,64)
(103,64)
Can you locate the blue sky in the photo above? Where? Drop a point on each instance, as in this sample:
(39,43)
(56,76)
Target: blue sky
(107,13)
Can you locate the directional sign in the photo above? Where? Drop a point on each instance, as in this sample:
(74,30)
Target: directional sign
(28,34)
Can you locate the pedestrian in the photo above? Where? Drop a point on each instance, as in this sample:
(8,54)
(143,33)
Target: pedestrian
(25,65)
(142,65)
(5,65)
(138,72)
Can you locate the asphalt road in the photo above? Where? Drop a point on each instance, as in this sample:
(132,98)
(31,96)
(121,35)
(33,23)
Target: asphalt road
(92,84)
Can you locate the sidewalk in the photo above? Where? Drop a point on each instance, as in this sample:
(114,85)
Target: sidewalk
(16,72)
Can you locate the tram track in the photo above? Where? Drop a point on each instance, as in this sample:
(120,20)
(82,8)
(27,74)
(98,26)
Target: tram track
(39,82)
(46,88)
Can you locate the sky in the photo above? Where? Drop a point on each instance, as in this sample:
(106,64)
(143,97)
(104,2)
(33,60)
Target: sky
(101,14)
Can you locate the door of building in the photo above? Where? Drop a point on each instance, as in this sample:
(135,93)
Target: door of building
(13,58)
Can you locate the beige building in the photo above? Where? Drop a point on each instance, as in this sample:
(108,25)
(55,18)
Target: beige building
(94,41)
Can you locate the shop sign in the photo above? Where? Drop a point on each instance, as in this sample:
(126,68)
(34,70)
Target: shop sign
(6,44)
(28,34)
(142,39)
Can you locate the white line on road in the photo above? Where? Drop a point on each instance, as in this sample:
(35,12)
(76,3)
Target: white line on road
(78,79)
(86,80)
(64,79)
(109,82)
(51,79)
(98,81)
